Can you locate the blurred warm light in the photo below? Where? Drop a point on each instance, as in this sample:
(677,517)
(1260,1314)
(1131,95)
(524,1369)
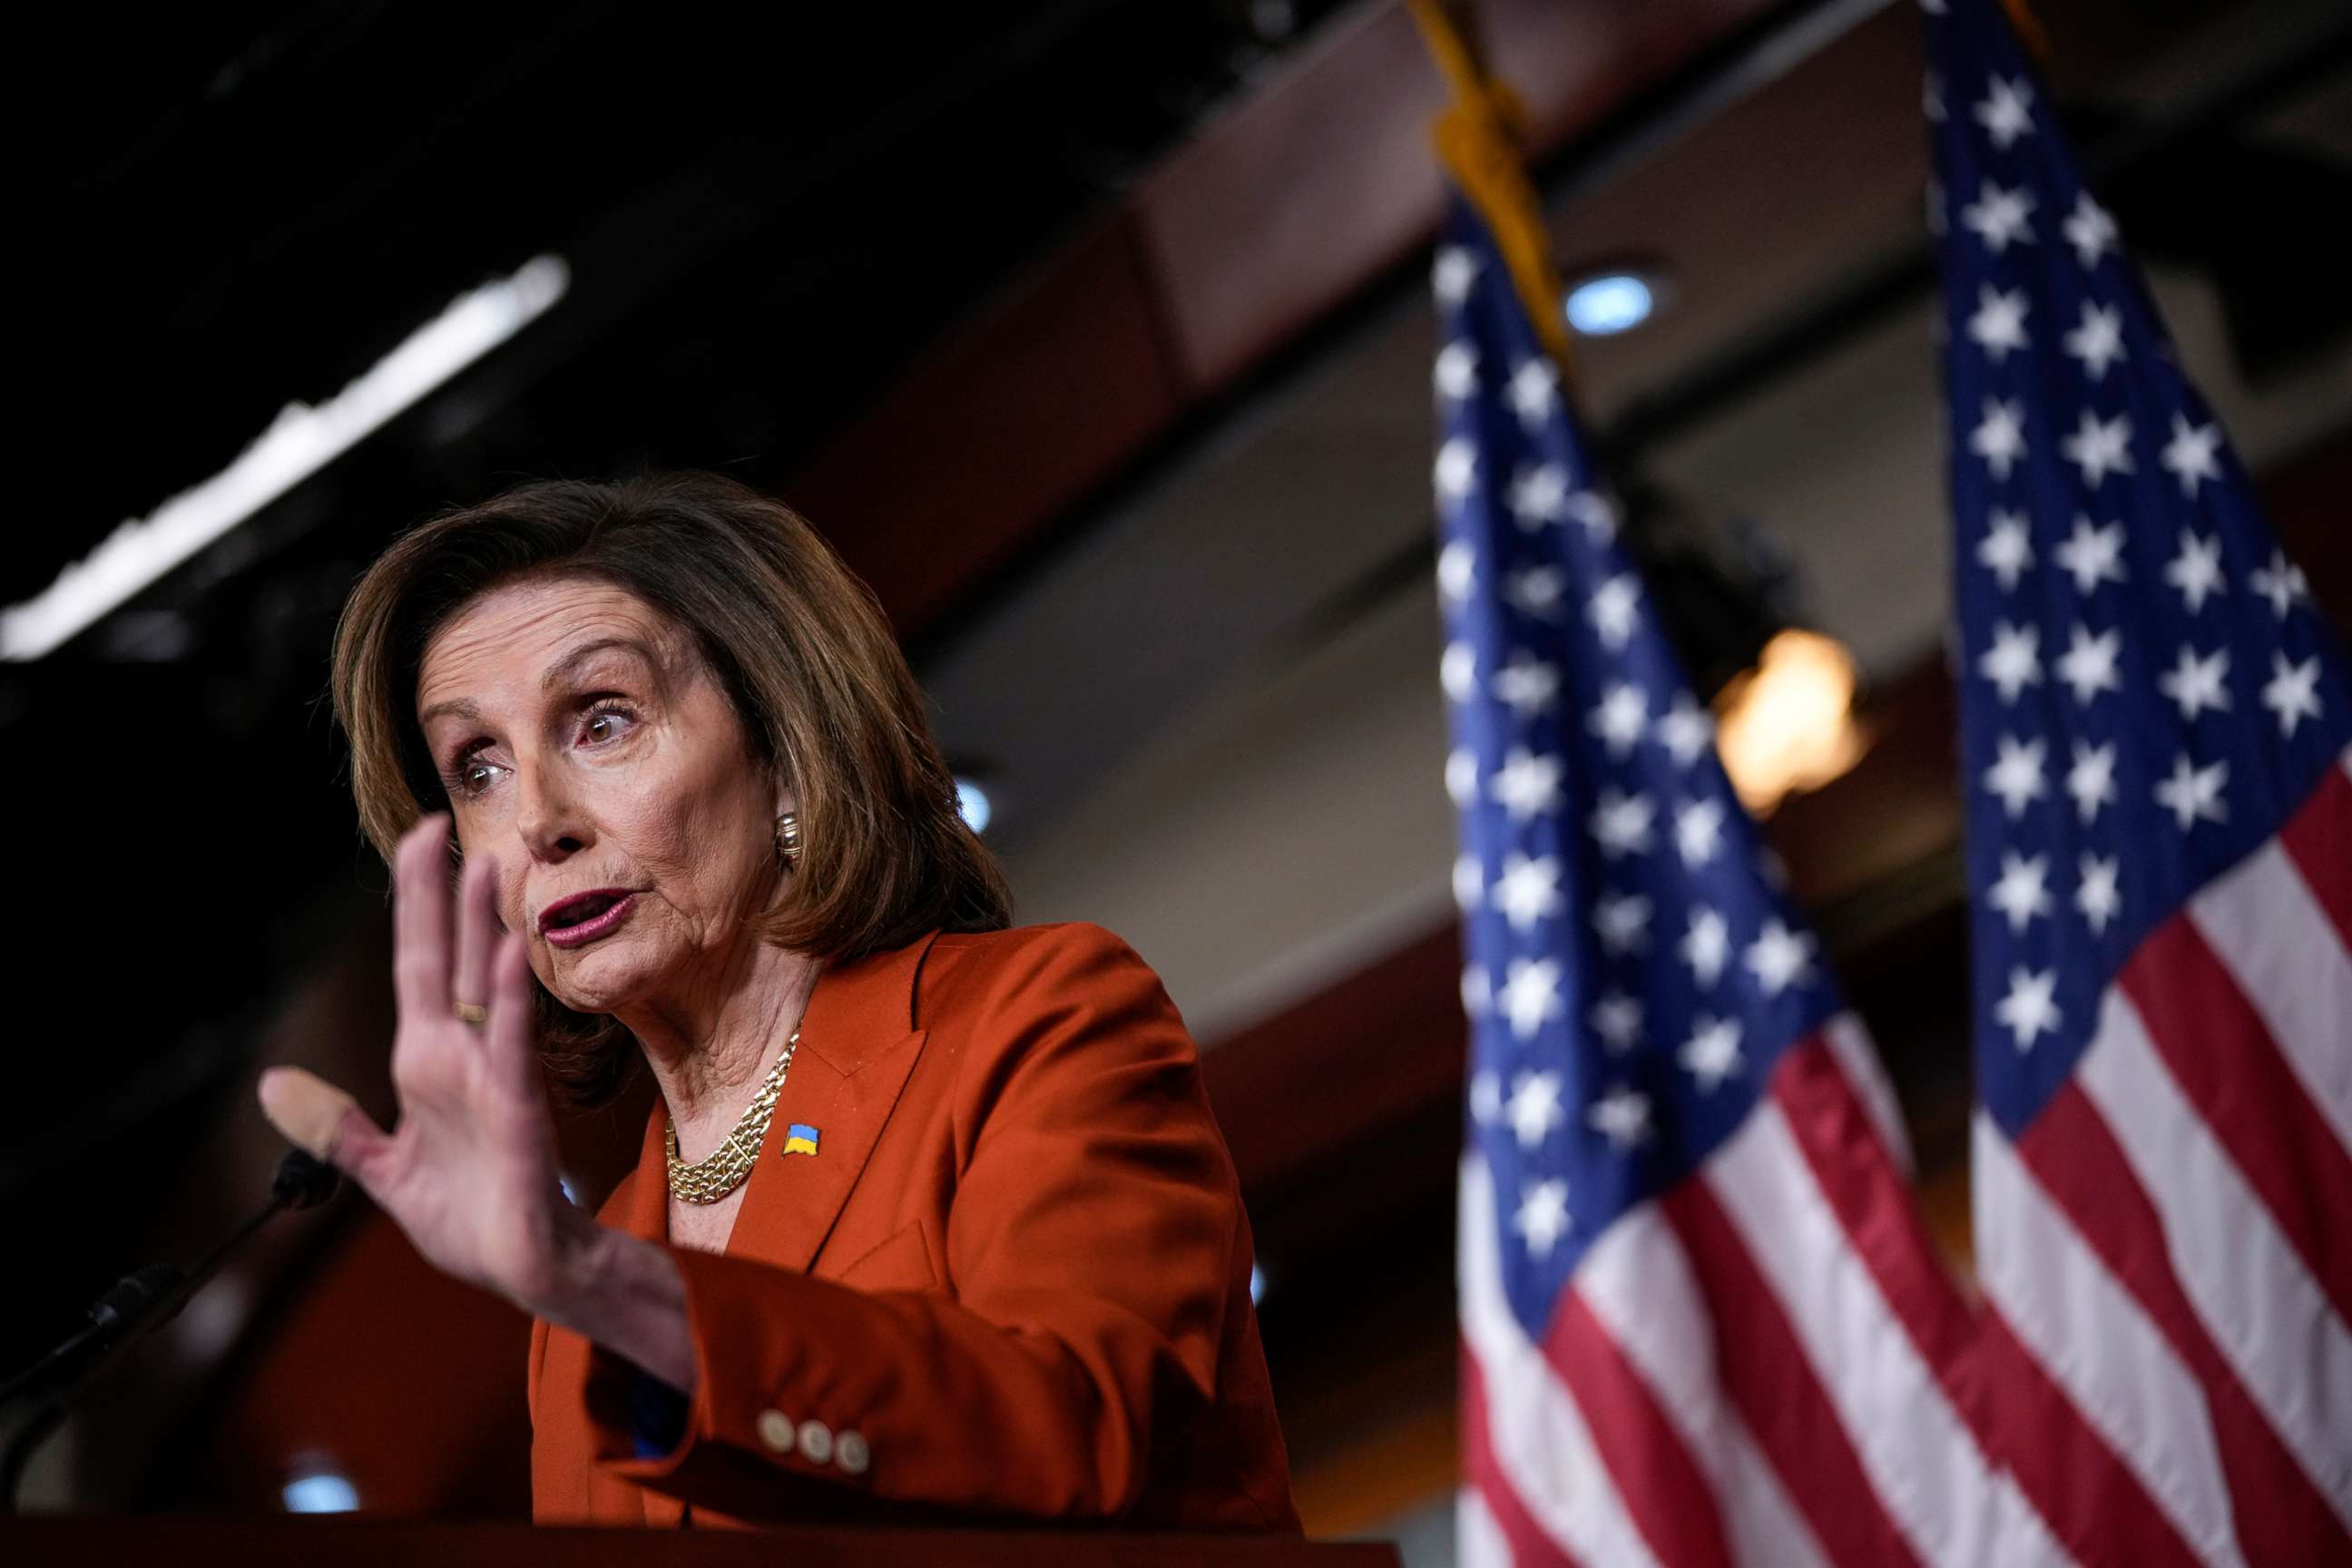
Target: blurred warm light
(1788,725)
(298,444)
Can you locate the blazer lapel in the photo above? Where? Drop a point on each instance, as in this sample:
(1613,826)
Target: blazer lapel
(858,1042)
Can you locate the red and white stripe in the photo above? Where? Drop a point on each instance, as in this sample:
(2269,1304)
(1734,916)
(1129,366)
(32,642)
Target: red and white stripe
(2171,1242)
(1760,1368)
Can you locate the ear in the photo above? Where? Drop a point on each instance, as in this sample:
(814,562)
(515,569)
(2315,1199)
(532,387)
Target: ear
(785,800)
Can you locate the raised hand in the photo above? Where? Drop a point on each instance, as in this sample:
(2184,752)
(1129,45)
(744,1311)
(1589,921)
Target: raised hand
(468,1170)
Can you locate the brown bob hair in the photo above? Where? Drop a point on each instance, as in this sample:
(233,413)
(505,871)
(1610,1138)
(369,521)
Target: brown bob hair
(799,645)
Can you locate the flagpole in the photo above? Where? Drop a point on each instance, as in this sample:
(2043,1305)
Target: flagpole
(1479,137)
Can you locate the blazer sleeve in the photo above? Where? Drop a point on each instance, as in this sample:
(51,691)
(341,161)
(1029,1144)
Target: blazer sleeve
(1091,1247)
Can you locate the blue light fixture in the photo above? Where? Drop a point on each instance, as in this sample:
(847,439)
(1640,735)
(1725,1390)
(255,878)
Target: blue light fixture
(973,801)
(320,1492)
(1610,302)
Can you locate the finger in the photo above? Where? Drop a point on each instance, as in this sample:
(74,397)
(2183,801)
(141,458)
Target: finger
(511,1043)
(323,1121)
(477,930)
(420,896)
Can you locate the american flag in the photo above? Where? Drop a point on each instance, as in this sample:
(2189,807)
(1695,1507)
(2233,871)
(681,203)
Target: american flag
(2159,848)
(1702,1323)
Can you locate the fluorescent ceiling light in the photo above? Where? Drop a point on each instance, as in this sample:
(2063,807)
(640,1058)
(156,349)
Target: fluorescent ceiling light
(299,442)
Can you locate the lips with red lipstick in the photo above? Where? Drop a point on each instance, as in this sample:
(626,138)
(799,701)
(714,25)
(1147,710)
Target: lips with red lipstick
(584,917)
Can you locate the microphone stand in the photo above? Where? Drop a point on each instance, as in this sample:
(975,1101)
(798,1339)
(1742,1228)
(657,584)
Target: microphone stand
(139,1303)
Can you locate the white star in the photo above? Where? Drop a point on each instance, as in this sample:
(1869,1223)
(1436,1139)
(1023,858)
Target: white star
(2098,898)
(2293,692)
(1623,714)
(1999,217)
(2007,549)
(1621,1116)
(1534,1109)
(1537,496)
(1712,1053)
(1530,995)
(1528,684)
(1615,606)
(2193,791)
(1457,671)
(2016,775)
(2092,779)
(1617,1019)
(1707,945)
(1621,823)
(1535,391)
(1477,990)
(2088,665)
(2014,660)
(2089,229)
(1542,1215)
(2019,893)
(1999,324)
(1999,437)
(2030,1008)
(1535,592)
(1485,1096)
(2193,454)
(2196,684)
(1698,831)
(1457,571)
(2099,448)
(1597,513)
(1527,784)
(1780,957)
(1452,274)
(2281,582)
(1456,371)
(1686,731)
(2006,113)
(2093,554)
(1462,775)
(2098,341)
(1456,471)
(1469,882)
(1528,889)
(2197,570)
(1623,921)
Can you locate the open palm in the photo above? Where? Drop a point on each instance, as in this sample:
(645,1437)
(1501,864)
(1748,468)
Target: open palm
(469,1169)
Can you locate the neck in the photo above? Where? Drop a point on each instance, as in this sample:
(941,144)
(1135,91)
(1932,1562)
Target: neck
(709,1045)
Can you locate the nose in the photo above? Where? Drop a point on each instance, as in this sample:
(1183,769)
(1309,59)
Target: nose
(550,819)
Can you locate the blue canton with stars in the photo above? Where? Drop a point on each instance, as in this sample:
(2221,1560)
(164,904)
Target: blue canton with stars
(1632,973)
(2147,691)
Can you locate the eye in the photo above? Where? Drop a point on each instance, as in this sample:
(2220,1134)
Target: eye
(471,774)
(606,721)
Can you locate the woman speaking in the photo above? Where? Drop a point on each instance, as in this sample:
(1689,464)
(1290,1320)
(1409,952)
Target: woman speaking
(931,1219)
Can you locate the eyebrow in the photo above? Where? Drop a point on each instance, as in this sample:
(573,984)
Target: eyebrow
(557,674)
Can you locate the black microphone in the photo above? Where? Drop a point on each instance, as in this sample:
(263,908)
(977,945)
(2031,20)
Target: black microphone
(133,1307)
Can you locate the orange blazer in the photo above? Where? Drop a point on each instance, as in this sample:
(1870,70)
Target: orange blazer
(1012,1281)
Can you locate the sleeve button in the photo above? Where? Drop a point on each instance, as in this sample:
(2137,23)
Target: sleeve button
(816,1442)
(776,1430)
(850,1453)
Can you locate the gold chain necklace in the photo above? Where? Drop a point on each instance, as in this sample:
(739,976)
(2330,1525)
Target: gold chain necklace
(722,1170)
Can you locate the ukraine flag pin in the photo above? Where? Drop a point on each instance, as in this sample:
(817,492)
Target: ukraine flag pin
(800,1138)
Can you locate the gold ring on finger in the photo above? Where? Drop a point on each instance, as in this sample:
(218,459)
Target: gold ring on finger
(473,1013)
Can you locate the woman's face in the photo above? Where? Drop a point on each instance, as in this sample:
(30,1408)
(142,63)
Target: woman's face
(584,747)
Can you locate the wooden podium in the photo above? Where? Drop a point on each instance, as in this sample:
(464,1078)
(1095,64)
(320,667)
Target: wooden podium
(194,1542)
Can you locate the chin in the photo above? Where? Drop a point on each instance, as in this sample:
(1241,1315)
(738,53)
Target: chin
(601,979)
